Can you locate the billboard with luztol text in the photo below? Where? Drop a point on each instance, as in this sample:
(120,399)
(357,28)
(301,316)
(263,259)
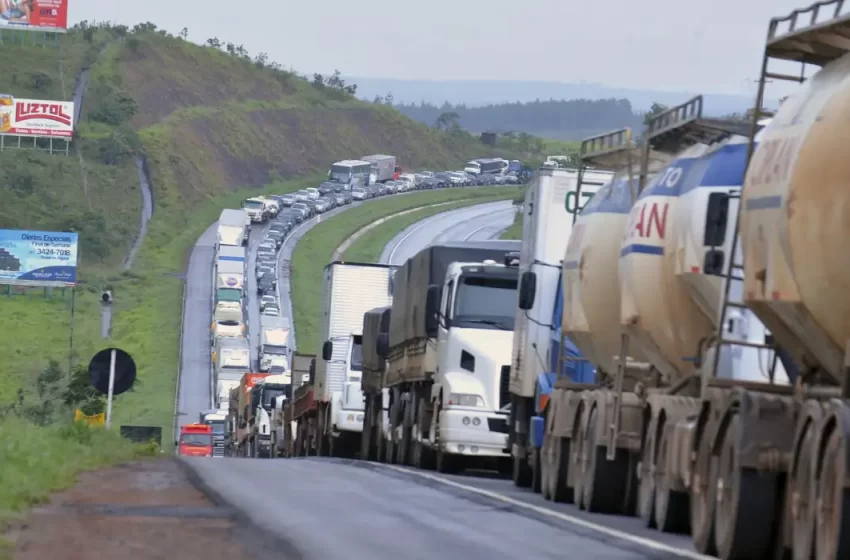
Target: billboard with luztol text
(36,117)
(38,258)
(34,15)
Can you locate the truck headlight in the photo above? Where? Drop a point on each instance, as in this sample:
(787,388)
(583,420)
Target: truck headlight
(465,399)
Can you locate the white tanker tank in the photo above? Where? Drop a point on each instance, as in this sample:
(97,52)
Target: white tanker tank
(794,227)
(591,317)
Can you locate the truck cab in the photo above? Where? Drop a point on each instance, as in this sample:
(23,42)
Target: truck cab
(216,419)
(474,323)
(347,405)
(227,321)
(264,398)
(256,208)
(196,440)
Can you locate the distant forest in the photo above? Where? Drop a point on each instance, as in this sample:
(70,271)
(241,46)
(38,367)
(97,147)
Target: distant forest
(562,120)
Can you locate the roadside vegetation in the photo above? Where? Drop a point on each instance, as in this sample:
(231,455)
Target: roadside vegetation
(515,231)
(315,250)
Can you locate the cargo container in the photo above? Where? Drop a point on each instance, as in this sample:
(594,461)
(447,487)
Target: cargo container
(383,167)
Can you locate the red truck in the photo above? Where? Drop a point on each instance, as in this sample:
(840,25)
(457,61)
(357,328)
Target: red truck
(196,440)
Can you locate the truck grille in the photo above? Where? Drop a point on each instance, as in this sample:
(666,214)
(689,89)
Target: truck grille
(505,387)
(499,425)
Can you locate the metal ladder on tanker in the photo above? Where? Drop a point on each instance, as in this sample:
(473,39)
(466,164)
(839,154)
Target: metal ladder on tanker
(615,152)
(667,134)
(816,44)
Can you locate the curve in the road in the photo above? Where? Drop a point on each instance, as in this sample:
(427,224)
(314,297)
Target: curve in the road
(452,225)
(194,384)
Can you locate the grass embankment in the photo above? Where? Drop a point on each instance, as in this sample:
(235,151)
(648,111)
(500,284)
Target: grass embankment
(314,251)
(515,231)
(370,245)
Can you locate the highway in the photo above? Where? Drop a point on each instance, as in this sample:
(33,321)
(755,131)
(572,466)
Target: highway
(476,223)
(328,509)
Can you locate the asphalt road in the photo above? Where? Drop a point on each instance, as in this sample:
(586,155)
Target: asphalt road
(328,509)
(482,221)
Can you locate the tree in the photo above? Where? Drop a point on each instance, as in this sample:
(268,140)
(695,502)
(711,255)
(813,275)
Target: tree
(261,60)
(214,43)
(80,394)
(655,110)
(388,99)
(378,100)
(184,33)
(446,121)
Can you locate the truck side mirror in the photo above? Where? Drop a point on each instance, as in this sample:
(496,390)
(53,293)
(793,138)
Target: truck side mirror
(432,310)
(327,350)
(382,345)
(527,290)
(176,443)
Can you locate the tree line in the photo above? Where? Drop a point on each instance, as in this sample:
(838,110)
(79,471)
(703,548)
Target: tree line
(560,119)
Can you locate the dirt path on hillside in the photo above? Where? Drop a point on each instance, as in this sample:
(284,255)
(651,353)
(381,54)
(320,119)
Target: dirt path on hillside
(140,511)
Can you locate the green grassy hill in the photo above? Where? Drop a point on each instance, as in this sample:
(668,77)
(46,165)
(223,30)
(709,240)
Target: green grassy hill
(213,128)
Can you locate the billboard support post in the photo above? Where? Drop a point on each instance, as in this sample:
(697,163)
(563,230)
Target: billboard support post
(71,338)
(110,395)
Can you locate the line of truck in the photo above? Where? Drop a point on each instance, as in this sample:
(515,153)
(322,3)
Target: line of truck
(677,321)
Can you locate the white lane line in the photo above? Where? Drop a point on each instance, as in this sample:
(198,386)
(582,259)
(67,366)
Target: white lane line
(622,535)
(471,235)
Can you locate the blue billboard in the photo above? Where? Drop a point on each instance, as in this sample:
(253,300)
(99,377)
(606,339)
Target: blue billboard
(38,258)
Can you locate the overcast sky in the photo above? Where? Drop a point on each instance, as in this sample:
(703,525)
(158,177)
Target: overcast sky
(713,46)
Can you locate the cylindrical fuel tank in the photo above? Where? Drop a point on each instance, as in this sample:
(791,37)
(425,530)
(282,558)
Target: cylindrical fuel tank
(794,222)
(657,309)
(591,317)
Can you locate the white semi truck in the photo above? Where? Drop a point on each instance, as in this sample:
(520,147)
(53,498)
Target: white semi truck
(233,228)
(350,290)
(448,346)
(228,320)
(229,274)
(274,347)
(257,208)
(231,359)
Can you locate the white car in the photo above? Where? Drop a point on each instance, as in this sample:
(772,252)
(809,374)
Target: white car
(267,301)
(271,310)
(313,193)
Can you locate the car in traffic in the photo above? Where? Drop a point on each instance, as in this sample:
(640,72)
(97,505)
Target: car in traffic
(266,283)
(359,193)
(313,193)
(286,199)
(328,188)
(266,300)
(271,311)
(305,209)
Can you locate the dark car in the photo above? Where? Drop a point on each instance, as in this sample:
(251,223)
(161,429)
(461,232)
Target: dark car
(328,188)
(266,284)
(306,207)
(290,216)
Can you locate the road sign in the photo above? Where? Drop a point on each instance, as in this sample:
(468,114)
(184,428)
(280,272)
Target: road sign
(112,371)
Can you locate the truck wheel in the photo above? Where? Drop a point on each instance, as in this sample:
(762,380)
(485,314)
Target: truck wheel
(671,507)
(536,474)
(833,521)
(366,435)
(802,488)
(646,480)
(746,502)
(521,472)
(447,463)
(703,497)
(604,483)
(559,490)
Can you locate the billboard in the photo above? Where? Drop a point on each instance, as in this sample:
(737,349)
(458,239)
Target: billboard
(36,118)
(34,15)
(38,258)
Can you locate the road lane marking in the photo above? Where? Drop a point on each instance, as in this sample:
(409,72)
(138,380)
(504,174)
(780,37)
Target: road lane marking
(622,535)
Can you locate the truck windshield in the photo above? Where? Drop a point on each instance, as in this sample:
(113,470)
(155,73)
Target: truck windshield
(487,302)
(355,361)
(196,440)
(253,204)
(340,173)
(276,350)
(271,393)
(217,427)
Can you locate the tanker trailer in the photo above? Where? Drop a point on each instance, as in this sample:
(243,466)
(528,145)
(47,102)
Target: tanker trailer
(786,486)
(590,276)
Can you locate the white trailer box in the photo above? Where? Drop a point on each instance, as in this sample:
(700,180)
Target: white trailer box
(546,228)
(229,274)
(229,253)
(232,228)
(350,290)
